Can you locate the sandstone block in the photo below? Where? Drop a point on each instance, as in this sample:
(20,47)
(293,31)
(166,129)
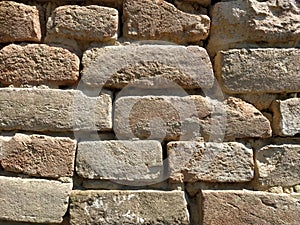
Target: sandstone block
(128,207)
(84,23)
(248,208)
(38,155)
(160,20)
(19,22)
(37,64)
(120,160)
(148,66)
(211,162)
(286,116)
(33,200)
(53,110)
(243,23)
(278,165)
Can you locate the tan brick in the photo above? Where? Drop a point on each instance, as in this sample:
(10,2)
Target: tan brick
(19,22)
(33,200)
(149,65)
(38,155)
(53,110)
(37,64)
(243,23)
(160,20)
(128,207)
(248,208)
(211,162)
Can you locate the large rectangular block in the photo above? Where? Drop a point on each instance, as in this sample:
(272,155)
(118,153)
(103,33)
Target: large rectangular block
(134,161)
(248,208)
(128,207)
(38,155)
(53,110)
(33,200)
(268,70)
(211,162)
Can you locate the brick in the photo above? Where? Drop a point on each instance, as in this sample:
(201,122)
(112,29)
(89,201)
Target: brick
(134,161)
(286,116)
(84,23)
(38,155)
(212,162)
(243,23)
(37,64)
(268,70)
(149,65)
(159,20)
(128,207)
(53,110)
(33,200)
(248,208)
(184,118)
(278,165)
(19,22)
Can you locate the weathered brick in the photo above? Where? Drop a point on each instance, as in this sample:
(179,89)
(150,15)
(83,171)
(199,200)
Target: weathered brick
(19,22)
(128,207)
(33,200)
(248,208)
(53,110)
(278,165)
(258,70)
(37,64)
(286,116)
(244,23)
(160,20)
(150,65)
(38,155)
(84,23)
(132,161)
(212,162)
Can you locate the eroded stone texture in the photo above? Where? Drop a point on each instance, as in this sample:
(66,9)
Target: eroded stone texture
(33,200)
(245,23)
(160,20)
(286,116)
(248,208)
(38,155)
(84,23)
(19,22)
(278,165)
(211,162)
(270,70)
(120,160)
(147,65)
(260,101)
(37,64)
(128,207)
(53,110)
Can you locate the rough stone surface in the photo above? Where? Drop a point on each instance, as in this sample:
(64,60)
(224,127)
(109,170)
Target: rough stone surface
(278,165)
(33,200)
(286,116)
(128,207)
(53,110)
(84,23)
(212,162)
(160,20)
(147,65)
(258,70)
(120,160)
(37,64)
(38,155)
(260,101)
(245,23)
(19,22)
(248,208)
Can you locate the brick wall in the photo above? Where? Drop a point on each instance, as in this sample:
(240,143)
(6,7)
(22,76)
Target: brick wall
(150,112)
